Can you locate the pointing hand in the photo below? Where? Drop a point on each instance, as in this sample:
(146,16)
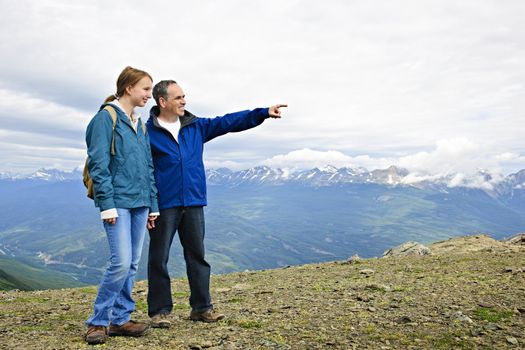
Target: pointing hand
(275,112)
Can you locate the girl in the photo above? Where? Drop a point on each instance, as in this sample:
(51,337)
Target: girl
(120,165)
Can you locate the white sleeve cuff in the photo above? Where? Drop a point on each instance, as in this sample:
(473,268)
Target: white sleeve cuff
(108,214)
(154,214)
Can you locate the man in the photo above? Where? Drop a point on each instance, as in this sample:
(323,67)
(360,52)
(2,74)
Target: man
(177,140)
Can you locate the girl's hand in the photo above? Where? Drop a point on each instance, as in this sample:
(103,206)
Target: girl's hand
(110,221)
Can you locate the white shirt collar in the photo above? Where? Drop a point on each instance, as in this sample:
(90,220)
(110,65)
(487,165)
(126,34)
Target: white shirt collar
(134,115)
(134,118)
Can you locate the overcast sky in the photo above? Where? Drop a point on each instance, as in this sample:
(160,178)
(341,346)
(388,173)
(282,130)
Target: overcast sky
(435,86)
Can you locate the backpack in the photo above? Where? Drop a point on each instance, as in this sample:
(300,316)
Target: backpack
(88,181)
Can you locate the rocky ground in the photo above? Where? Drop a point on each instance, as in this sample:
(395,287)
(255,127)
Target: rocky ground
(469,293)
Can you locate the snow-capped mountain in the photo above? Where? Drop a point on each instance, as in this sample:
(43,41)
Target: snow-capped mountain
(391,176)
(4,175)
(50,175)
(511,183)
(317,177)
(517,180)
(494,184)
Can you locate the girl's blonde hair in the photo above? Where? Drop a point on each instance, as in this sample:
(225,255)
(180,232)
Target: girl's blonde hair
(129,77)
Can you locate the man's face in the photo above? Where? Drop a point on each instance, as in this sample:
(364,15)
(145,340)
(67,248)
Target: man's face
(175,101)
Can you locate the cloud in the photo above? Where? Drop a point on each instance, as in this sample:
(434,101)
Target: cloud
(511,159)
(385,79)
(465,162)
(216,164)
(307,158)
(24,112)
(450,157)
(20,157)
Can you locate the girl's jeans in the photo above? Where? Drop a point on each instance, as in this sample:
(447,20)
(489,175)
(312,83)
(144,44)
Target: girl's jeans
(114,303)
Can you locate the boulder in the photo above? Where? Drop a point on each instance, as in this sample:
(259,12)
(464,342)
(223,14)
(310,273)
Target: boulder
(408,248)
(468,244)
(518,239)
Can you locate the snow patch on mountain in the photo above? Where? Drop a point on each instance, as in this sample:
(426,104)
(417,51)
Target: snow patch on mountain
(53,175)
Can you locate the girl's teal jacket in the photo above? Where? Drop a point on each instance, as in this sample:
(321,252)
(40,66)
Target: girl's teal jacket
(124,180)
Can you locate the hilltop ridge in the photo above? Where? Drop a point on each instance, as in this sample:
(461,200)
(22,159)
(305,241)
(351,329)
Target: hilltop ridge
(468,294)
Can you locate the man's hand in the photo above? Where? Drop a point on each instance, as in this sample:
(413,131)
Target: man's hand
(151,221)
(275,112)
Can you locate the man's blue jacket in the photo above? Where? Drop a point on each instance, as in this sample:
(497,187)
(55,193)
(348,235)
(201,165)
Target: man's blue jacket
(179,168)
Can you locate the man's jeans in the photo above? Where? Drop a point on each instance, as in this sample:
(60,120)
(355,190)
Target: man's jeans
(189,222)
(114,303)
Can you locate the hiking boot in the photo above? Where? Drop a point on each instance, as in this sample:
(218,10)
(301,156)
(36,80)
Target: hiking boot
(209,315)
(160,321)
(96,335)
(129,329)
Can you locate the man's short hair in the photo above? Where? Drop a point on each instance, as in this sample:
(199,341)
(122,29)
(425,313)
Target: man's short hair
(161,89)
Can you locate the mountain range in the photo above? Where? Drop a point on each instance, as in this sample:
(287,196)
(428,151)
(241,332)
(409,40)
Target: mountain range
(263,218)
(493,184)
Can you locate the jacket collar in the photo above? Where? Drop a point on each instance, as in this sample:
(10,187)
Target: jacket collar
(121,114)
(134,115)
(186,119)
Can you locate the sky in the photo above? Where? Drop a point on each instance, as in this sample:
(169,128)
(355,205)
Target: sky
(435,86)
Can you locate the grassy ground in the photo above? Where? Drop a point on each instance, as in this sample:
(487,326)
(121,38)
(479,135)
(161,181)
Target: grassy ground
(472,300)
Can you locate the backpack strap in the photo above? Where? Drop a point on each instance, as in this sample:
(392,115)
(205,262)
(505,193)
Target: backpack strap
(113,115)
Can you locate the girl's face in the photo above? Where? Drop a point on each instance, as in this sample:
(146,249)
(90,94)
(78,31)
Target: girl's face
(140,93)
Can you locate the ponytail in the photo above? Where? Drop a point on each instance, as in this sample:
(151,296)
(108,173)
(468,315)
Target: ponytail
(128,77)
(110,98)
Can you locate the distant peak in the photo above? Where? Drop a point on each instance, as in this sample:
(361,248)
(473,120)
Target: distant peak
(329,169)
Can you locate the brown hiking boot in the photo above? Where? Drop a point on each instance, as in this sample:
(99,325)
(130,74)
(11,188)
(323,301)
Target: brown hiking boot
(209,315)
(129,329)
(96,335)
(160,321)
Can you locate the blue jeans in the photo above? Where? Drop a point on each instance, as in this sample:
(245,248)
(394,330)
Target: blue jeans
(114,303)
(189,222)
